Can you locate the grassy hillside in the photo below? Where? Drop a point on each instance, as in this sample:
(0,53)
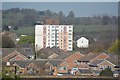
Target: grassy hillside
(91,28)
(26,30)
(77,28)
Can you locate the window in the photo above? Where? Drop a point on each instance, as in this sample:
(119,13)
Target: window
(48,29)
(53,40)
(81,41)
(70,40)
(70,33)
(48,43)
(52,43)
(101,67)
(109,67)
(65,68)
(70,30)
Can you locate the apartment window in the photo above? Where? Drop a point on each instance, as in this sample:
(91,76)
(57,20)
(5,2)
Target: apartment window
(48,43)
(52,26)
(69,26)
(52,43)
(48,33)
(53,40)
(53,29)
(48,29)
(69,47)
(70,30)
(52,36)
(70,33)
(70,40)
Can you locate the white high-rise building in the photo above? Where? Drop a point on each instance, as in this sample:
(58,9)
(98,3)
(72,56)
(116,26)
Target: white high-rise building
(54,35)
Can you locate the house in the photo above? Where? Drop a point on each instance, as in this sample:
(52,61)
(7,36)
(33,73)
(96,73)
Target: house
(29,67)
(49,53)
(52,21)
(70,58)
(12,54)
(51,64)
(101,65)
(83,42)
(63,68)
(91,57)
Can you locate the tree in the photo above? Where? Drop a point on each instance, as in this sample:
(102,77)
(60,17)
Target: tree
(71,18)
(71,14)
(106,72)
(7,42)
(6,28)
(115,47)
(105,20)
(16,28)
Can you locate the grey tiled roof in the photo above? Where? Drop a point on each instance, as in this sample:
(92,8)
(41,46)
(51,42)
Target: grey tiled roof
(7,51)
(95,63)
(55,62)
(113,58)
(85,71)
(24,51)
(24,63)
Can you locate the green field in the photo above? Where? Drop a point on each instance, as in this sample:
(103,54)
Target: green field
(77,28)
(26,30)
(96,28)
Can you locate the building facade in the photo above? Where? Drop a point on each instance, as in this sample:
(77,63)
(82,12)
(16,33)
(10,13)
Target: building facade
(54,35)
(83,42)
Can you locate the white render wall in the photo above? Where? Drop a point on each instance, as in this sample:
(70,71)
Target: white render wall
(54,33)
(83,42)
(38,37)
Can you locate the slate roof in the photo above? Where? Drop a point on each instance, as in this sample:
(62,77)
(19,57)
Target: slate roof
(7,51)
(55,62)
(85,71)
(113,59)
(46,52)
(40,62)
(24,63)
(116,72)
(95,63)
(26,51)
(65,55)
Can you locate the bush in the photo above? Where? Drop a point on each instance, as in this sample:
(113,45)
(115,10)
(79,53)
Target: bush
(106,72)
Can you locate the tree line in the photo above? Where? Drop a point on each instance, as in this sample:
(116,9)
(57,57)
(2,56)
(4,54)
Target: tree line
(26,17)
